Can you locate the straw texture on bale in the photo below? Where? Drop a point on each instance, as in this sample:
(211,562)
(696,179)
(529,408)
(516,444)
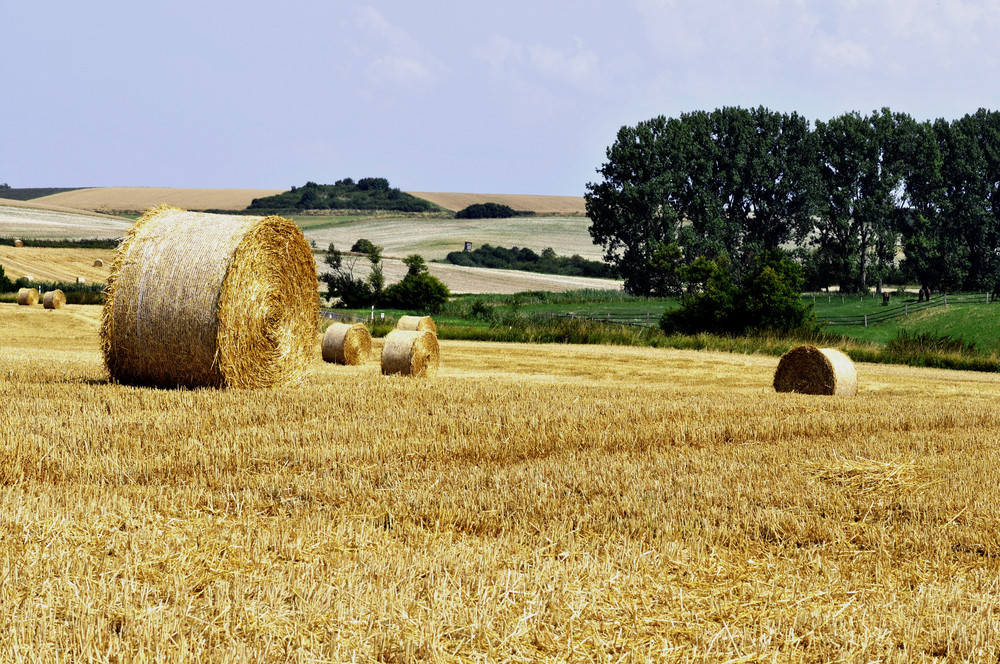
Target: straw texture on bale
(347,344)
(811,370)
(18,243)
(98,263)
(54,299)
(410,353)
(198,299)
(420,323)
(27,297)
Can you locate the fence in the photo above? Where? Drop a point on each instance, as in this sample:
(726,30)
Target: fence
(646,319)
(906,309)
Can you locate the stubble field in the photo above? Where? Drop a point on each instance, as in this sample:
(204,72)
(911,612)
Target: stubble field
(532,503)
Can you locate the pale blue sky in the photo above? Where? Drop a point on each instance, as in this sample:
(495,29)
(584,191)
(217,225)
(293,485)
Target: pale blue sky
(449,95)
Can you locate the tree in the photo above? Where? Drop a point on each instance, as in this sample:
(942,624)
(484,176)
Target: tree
(860,194)
(418,290)
(351,291)
(733,181)
(767,298)
(6,285)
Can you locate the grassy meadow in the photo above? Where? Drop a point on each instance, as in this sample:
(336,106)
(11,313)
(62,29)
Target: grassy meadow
(532,503)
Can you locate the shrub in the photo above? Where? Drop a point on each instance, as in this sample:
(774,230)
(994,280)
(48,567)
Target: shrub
(487,211)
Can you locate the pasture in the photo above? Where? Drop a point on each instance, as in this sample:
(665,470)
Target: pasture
(532,503)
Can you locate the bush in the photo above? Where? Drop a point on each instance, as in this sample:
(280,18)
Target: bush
(767,299)
(417,292)
(488,211)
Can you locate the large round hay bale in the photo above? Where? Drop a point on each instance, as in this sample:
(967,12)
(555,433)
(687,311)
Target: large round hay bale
(18,243)
(410,353)
(54,299)
(416,323)
(347,344)
(811,370)
(27,297)
(98,263)
(199,299)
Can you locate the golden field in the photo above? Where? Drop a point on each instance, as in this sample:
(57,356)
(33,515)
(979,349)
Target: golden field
(539,204)
(51,264)
(533,503)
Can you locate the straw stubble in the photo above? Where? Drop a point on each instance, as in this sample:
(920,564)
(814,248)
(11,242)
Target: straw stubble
(198,299)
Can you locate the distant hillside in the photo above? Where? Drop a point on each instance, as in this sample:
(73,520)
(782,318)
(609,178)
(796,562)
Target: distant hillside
(557,206)
(30,193)
(346,194)
(138,199)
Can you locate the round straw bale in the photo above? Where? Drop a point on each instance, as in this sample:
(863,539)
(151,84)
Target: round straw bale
(347,344)
(199,299)
(98,263)
(410,353)
(27,297)
(80,280)
(416,323)
(811,370)
(18,243)
(54,299)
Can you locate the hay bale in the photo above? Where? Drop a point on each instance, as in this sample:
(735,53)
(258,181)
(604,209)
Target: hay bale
(27,297)
(199,299)
(811,370)
(80,280)
(98,263)
(410,353)
(347,344)
(18,243)
(54,299)
(420,323)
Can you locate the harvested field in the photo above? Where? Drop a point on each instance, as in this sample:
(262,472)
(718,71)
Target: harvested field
(435,238)
(543,205)
(50,264)
(532,503)
(26,220)
(460,279)
(138,199)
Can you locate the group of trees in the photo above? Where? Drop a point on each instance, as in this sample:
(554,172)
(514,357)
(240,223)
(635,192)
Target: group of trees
(346,194)
(490,211)
(523,258)
(842,197)
(418,290)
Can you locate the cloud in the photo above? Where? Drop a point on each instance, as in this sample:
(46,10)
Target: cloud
(396,58)
(399,71)
(578,66)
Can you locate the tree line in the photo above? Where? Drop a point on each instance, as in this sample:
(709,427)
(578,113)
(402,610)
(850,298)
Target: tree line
(843,198)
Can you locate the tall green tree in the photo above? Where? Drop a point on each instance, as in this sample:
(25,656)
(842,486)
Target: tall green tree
(859,195)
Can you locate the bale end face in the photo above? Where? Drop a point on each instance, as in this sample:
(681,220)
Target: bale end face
(811,370)
(411,353)
(347,344)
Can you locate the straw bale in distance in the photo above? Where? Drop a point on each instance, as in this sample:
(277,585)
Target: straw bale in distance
(198,299)
(98,263)
(80,280)
(347,344)
(416,323)
(18,243)
(54,299)
(811,370)
(411,353)
(27,297)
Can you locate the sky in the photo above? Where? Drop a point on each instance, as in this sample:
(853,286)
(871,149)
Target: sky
(518,97)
